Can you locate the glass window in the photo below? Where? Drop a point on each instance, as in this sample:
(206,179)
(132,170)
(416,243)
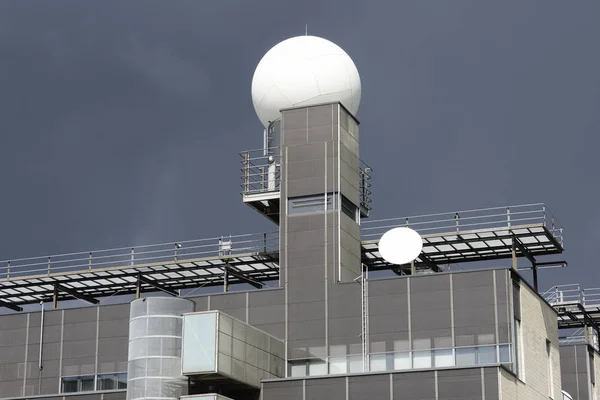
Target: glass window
(402,360)
(122,381)
(338,365)
(443,358)
(486,355)
(107,382)
(465,356)
(356,363)
(349,208)
(317,367)
(70,385)
(87,383)
(298,368)
(378,362)
(504,353)
(422,359)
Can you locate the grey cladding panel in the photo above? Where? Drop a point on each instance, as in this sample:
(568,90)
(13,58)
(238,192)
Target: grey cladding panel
(414,385)
(228,301)
(326,389)
(115,396)
(87,314)
(385,287)
(322,115)
(369,387)
(307,152)
(283,390)
(490,377)
(473,279)
(459,384)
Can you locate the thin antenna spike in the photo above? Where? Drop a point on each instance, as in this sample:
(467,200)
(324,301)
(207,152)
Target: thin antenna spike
(306,32)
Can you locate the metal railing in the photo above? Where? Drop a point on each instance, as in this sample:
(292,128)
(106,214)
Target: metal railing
(170,252)
(261,171)
(572,294)
(468,220)
(365,188)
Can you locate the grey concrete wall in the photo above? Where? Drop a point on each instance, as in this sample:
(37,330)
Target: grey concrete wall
(455,384)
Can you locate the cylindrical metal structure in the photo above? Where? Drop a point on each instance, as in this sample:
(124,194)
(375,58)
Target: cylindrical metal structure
(155,332)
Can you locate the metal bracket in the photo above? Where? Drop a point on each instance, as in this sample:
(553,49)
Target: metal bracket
(59,288)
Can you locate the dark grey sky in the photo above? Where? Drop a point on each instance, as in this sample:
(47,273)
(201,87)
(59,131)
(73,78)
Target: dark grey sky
(121,122)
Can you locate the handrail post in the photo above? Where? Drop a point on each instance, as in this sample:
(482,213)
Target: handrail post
(90,262)
(49,265)
(132,256)
(457,217)
(246,172)
(544,213)
(508,216)
(265,242)
(8,271)
(262,179)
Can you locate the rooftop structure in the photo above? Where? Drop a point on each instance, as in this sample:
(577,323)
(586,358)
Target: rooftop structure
(313,310)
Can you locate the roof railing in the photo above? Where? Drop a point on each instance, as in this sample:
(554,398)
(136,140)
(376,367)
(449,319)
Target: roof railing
(220,246)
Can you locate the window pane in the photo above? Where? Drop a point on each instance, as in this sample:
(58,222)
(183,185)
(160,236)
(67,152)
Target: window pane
(87,383)
(338,365)
(298,369)
(69,385)
(107,382)
(402,360)
(356,363)
(505,353)
(443,358)
(422,359)
(317,367)
(487,355)
(378,362)
(465,356)
(121,381)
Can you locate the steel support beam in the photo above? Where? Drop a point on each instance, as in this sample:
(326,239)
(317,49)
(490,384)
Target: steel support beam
(59,288)
(154,284)
(519,245)
(10,305)
(237,274)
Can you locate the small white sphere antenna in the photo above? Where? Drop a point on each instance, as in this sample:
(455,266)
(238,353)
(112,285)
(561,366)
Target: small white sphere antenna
(400,245)
(304,71)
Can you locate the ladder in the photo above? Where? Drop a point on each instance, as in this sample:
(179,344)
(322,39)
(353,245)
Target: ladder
(364,286)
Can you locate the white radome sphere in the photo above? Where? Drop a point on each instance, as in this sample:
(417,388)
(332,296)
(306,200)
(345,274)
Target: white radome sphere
(303,71)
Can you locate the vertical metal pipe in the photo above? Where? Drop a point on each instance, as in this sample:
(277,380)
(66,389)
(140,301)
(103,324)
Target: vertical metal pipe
(40,364)
(8,271)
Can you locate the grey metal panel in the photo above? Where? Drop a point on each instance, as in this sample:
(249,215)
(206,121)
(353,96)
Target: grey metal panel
(10,337)
(307,186)
(473,279)
(266,315)
(319,134)
(13,321)
(386,287)
(80,331)
(78,366)
(307,152)
(277,330)
(414,385)
(345,327)
(372,387)
(459,384)
(116,311)
(9,372)
(113,349)
(322,115)
(390,304)
(307,348)
(11,388)
(306,169)
(306,311)
(303,330)
(306,239)
(349,158)
(292,390)
(12,354)
(228,301)
(79,348)
(86,314)
(52,333)
(49,386)
(95,396)
(114,328)
(294,119)
(52,317)
(350,189)
(490,378)
(295,137)
(303,258)
(264,297)
(344,300)
(115,396)
(201,303)
(326,389)
(388,323)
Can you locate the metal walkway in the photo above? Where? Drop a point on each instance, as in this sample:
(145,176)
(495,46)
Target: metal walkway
(457,237)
